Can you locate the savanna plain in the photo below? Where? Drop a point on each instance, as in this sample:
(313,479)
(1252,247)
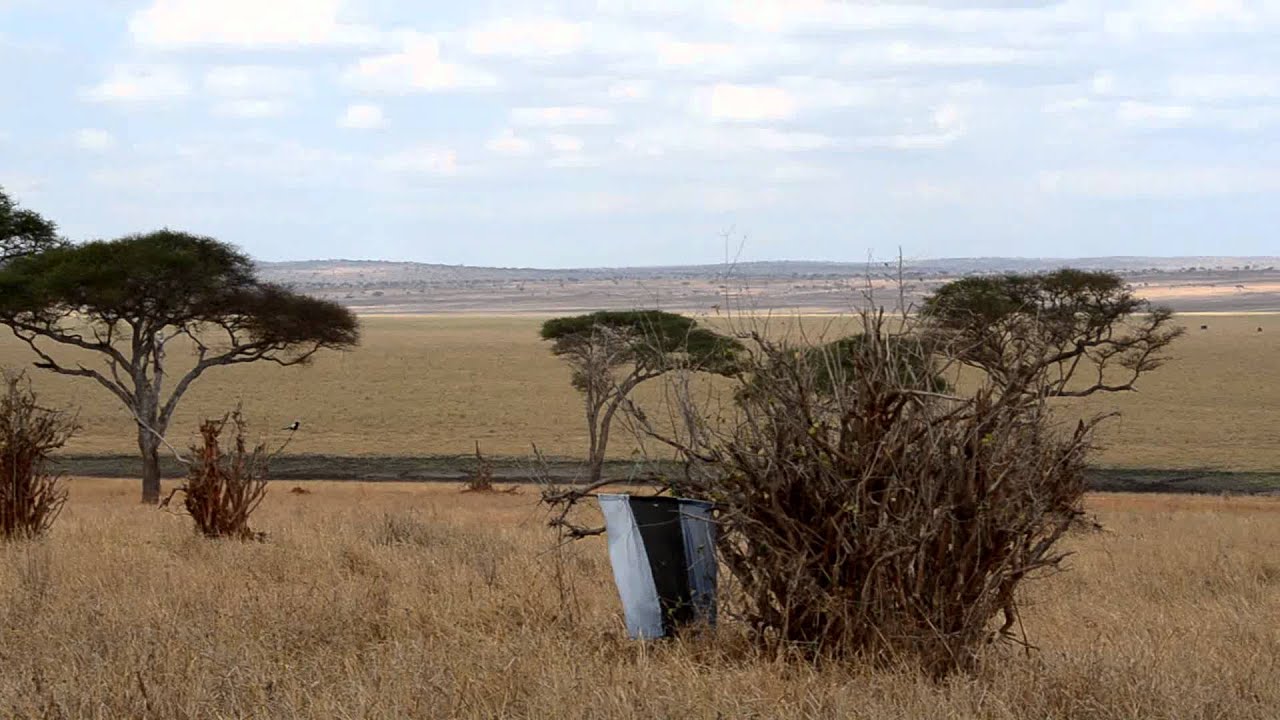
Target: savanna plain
(383,600)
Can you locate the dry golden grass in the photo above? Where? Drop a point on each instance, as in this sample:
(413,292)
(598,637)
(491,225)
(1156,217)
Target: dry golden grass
(387,601)
(435,385)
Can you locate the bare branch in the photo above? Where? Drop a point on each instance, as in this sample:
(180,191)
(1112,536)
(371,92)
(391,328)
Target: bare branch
(48,363)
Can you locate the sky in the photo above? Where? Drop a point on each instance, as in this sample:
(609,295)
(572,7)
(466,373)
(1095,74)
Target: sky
(647,132)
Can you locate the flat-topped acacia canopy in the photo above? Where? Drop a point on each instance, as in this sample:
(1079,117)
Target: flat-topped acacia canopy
(651,336)
(126,299)
(611,352)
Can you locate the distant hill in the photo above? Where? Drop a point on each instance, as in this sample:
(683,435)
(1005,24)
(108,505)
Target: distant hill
(348,272)
(370,287)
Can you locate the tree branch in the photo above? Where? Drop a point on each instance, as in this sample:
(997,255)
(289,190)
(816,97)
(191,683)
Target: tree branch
(48,363)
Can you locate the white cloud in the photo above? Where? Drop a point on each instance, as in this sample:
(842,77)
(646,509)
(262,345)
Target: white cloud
(508,143)
(908,54)
(362,117)
(1068,105)
(245,23)
(1189,16)
(819,93)
(22,184)
(140,84)
(1237,102)
(264,158)
(1151,115)
(422,160)
(565,143)
(655,142)
(1223,87)
(909,141)
(139,178)
(250,108)
(1018,19)
(94,140)
(801,173)
(416,67)
(1104,83)
(1134,182)
(572,160)
(629,90)
(947,125)
(561,115)
(540,37)
(745,103)
(254,80)
(777,140)
(949,119)
(681,53)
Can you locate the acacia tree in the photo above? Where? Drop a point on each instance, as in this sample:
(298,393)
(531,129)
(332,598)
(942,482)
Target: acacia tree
(613,352)
(127,300)
(1042,331)
(23,232)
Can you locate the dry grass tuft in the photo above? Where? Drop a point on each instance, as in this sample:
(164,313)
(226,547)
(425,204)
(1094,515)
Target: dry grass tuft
(1168,614)
(404,528)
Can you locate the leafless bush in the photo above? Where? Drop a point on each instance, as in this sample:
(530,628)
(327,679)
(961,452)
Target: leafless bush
(31,496)
(224,487)
(867,508)
(481,479)
(884,495)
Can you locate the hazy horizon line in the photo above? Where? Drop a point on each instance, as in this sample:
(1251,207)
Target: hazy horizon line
(736,263)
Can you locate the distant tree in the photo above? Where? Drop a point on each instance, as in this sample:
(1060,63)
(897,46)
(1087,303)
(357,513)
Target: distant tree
(613,352)
(23,232)
(126,300)
(1040,331)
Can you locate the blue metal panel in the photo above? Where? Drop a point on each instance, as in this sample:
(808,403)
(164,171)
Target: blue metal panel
(700,556)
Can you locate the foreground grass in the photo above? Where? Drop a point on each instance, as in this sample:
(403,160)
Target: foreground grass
(378,601)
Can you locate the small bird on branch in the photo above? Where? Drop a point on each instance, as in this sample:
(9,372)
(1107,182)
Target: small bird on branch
(294,427)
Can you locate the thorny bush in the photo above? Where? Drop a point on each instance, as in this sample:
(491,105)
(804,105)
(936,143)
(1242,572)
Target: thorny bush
(224,487)
(884,496)
(31,495)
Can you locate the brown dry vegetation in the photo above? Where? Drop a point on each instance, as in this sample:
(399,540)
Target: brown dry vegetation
(382,601)
(435,385)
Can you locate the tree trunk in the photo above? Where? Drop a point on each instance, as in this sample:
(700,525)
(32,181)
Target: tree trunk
(595,457)
(595,467)
(149,446)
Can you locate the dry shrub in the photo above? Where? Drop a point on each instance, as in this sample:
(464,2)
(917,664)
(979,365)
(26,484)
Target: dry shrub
(31,496)
(865,508)
(481,479)
(224,488)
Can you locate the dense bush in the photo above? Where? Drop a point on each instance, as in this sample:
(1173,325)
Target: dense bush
(884,495)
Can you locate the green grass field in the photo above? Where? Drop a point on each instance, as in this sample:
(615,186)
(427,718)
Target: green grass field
(435,385)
